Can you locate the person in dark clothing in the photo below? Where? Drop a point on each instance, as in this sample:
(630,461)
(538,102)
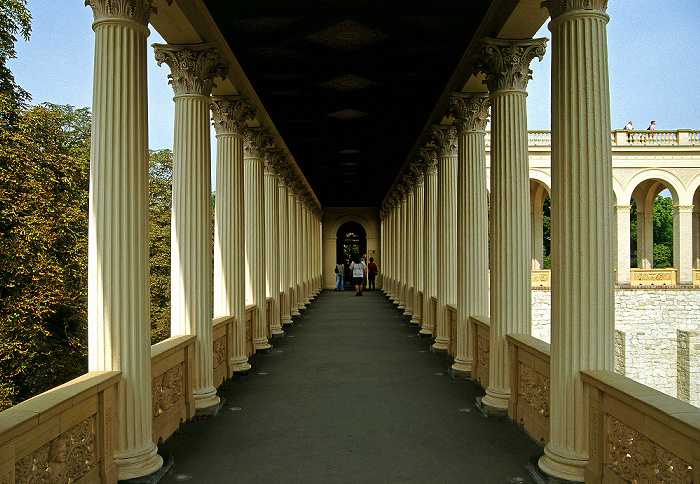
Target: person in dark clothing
(372,272)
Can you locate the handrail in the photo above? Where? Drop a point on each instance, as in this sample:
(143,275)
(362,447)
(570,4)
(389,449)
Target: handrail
(624,137)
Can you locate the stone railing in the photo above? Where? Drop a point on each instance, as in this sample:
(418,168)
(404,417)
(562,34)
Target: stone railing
(696,277)
(529,382)
(623,137)
(452,324)
(63,435)
(541,278)
(223,348)
(638,434)
(481,344)
(654,277)
(172,382)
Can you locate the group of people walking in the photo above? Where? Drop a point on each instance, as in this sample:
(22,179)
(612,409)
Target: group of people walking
(363,274)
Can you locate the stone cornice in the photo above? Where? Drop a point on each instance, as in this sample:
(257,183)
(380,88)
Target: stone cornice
(256,141)
(230,113)
(192,67)
(445,139)
(506,63)
(136,10)
(471,111)
(560,7)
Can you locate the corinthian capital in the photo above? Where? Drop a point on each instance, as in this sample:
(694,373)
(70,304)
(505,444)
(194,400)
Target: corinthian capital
(445,139)
(506,63)
(470,111)
(560,7)
(230,114)
(256,140)
(417,169)
(192,67)
(136,10)
(275,160)
(429,160)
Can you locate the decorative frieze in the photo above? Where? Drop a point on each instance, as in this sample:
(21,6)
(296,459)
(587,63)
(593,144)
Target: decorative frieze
(506,63)
(192,67)
(256,142)
(229,114)
(136,10)
(471,112)
(560,7)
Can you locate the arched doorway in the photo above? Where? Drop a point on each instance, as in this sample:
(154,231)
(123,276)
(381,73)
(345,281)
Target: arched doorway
(351,239)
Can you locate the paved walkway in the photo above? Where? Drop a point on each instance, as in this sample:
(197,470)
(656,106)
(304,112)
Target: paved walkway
(351,394)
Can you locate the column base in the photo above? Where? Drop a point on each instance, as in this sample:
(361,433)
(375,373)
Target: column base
(155,477)
(240,365)
(495,402)
(563,465)
(426,333)
(461,369)
(301,307)
(262,346)
(295,312)
(209,412)
(408,311)
(138,463)
(540,477)
(414,322)
(205,398)
(489,411)
(277,334)
(287,321)
(440,347)
(401,305)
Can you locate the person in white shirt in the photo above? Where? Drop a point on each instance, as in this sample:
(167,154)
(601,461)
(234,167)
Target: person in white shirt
(359,272)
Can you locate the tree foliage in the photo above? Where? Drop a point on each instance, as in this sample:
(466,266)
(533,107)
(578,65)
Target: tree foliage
(15,19)
(160,207)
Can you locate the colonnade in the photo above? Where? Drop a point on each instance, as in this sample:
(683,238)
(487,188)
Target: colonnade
(581,194)
(267,223)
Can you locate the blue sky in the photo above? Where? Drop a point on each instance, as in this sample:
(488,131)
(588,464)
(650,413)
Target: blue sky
(653,50)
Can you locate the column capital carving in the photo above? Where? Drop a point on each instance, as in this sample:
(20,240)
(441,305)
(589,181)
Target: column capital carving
(445,139)
(506,63)
(417,169)
(136,10)
(274,160)
(192,67)
(429,157)
(683,208)
(409,182)
(256,140)
(471,111)
(623,208)
(560,7)
(230,113)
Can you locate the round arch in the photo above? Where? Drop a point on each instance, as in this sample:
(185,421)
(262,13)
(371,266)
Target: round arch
(351,239)
(543,178)
(674,185)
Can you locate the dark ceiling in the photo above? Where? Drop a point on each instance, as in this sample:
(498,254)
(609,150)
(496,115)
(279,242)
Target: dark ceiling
(349,84)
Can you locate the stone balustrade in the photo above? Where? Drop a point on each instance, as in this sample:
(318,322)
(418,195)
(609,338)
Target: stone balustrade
(481,343)
(63,435)
(541,278)
(529,382)
(654,277)
(223,348)
(638,434)
(452,325)
(623,137)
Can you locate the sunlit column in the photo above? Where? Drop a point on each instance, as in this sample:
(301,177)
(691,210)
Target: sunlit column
(409,234)
(118,266)
(583,299)
(272,240)
(230,114)
(193,69)
(430,244)
(293,255)
(623,244)
(683,242)
(285,270)
(645,235)
(471,113)
(537,231)
(256,141)
(506,65)
(445,139)
(419,241)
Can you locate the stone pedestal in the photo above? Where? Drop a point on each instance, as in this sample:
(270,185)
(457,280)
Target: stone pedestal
(229,116)
(583,303)
(118,270)
(193,69)
(623,244)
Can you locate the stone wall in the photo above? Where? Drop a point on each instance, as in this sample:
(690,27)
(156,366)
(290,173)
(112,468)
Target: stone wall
(656,337)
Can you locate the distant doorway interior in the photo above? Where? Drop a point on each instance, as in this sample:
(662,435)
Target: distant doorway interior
(351,239)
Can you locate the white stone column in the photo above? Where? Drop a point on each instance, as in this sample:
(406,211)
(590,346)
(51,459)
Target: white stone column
(230,114)
(623,244)
(285,261)
(399,301)
(299,255)
(409,234)
(272,241)
(430,243)
(419,241)
(306,255)
(683,243)
(471,113)
(193,68)
(393,250)
(118,268)
(293,255)
(256,140)
(506,65)
(583,299)
(446,141)
(537,231)
(645,236)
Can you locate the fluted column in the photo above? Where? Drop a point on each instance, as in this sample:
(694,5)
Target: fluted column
(293,255)
(506,65)
(230,114)
(537,231)
(409,234)
(256,140)
(299,255)
(445,139)
(392,251)
(306,255)
(430,247)
(285,270)
(623,244)
(419,242)
(400,300)
(683,242)
(645,235)
(193,69)
(118,270)
(471,113)
(272,245)
(583,302)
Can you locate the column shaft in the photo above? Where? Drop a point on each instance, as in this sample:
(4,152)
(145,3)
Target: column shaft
(683,243)
(272,252)
(430,258)
(417,262)
(410,259)
(537,217)
(623,244)
(285,262)
(293,256)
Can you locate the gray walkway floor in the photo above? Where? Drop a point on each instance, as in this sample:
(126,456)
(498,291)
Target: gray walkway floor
(351,394)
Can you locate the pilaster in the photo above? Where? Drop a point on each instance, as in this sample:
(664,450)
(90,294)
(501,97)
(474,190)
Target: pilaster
(118,266)
(583,303)
(623,244)
(506,66)
(229,115)
(471,113)
(192,72)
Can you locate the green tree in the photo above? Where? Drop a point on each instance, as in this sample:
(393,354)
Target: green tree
(15,19)
(663,232)
(160,207)
(547,233)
